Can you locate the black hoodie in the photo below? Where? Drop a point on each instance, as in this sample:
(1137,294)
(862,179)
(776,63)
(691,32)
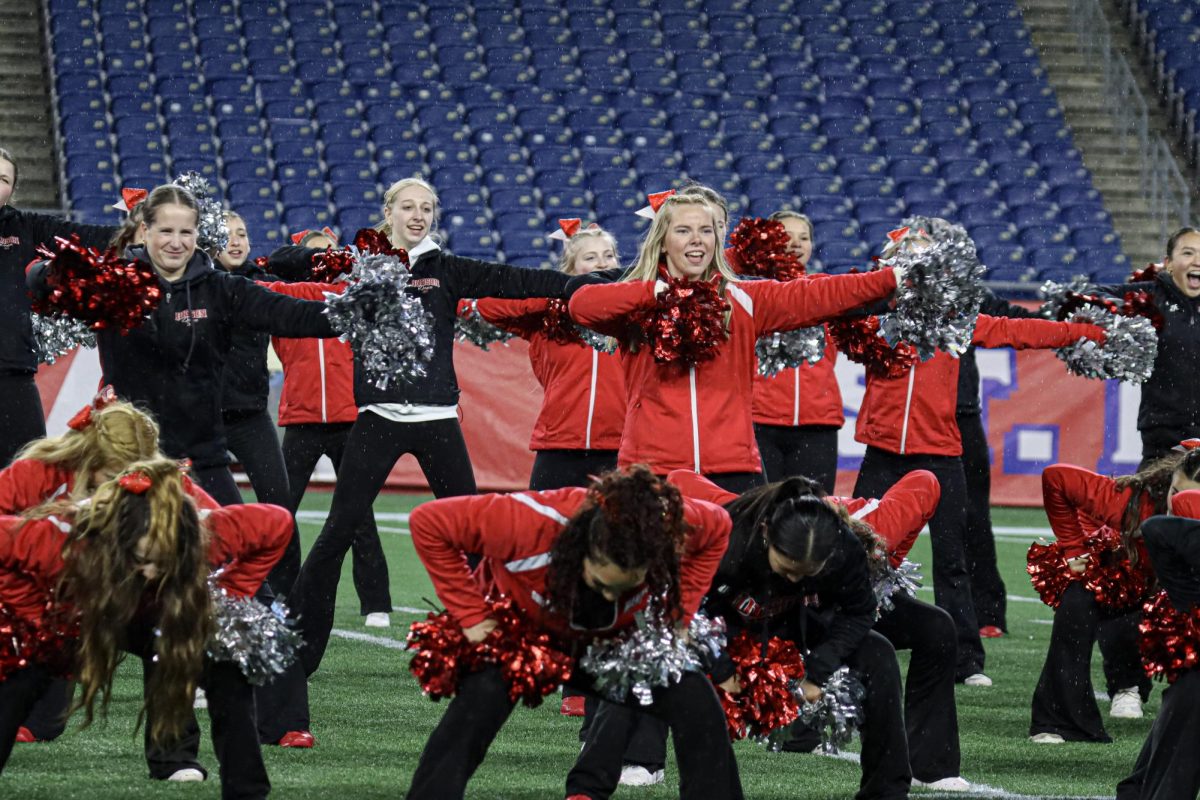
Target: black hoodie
(1174,547)
(171,365)
(246,382)
(20,234)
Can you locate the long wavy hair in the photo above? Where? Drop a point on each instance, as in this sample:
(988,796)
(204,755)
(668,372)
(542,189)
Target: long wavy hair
(651,254)
(117,435)
(632,519)
(103,579)
(1153,483)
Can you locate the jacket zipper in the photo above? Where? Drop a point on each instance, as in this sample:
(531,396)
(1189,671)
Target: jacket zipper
(587,442)
(912,375)
(321,361)
(695,420)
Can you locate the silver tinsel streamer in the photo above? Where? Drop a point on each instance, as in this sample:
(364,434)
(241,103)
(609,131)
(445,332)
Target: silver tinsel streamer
(839,711)
(256,638)
(389,330)
(652,654)
(938,298)
(478,331)
(597,341)
(905,579)
(1127,354)
(212,232)
(56,336)
(784,350)
(1055,294)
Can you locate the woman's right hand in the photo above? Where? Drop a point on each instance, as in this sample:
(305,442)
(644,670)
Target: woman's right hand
(477,633)
(660,286)
(731,685)
(1079,564)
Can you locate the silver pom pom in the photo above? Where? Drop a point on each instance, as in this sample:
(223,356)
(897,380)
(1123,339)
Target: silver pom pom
(256,638)
(905,579)
(938,299)
(55,336)
(389,329)
(784,350)
(650,655)
(1054,295)
(212,231)
(1127,354)
(838,712)
(597,341)
(473,328)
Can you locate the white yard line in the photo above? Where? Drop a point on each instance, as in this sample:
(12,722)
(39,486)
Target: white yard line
(382,641)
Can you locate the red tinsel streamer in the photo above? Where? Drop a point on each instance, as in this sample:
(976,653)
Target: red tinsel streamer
(262,262)
(1141,304)
(766,702)
(1169,638)
(49,642)
(761,248)
(1133,304)
(99,289)
(687,324)
(330,264)
(529,661)
(1114,580)
(1146,273)
(558,325)
(370,240)
(858,338)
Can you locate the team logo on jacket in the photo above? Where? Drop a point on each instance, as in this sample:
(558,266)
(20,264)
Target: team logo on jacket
(188,316)
(425,284)
(750,609)
(9,241)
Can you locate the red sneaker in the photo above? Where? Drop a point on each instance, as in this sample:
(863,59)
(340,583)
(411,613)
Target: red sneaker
(25,736)
(579,797)
(990,632)
(302,739)
(572,707)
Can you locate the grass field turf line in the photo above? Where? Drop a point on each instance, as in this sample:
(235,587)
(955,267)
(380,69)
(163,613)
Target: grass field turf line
(371,721)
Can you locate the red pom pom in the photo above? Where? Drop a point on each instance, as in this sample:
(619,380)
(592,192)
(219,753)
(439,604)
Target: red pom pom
(99,289)
(1115,581)
(529,661)
(1146,273)
(558,325)
(330,264)
(1048,572)
(370,240)
(859,339)
(1141,304)
(766,702)
(1133,304)
(1169,638)
(687,324)
(48,642)
(760,247)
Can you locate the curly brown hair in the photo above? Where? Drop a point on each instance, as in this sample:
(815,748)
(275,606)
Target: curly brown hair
(632,519)
(1154,483)
(103,579)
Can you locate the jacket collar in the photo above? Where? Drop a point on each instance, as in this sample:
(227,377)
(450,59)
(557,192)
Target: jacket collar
(426,245)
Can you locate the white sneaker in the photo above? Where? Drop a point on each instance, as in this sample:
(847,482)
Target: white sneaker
(1126,704)
(978,679)
(378,619)
(187,775)
(954,784)
(640,776)
(201,699)
(1046,738)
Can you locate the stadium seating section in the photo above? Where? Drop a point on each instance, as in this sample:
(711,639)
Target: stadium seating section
(1170,30)
(856,112)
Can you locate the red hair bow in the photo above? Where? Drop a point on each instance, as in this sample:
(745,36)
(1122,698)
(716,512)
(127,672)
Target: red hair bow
(83,417)
(566,229)
(135,482)
(656,202)
(130,199)
(296,237)
(1188,444)
(898,234)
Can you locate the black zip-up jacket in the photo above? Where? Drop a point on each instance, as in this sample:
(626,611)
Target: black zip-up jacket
(968,370)
(440,279)
(20,234)
(246,382)
(1174,547)
(829,614)
(1171,397)
(171,365)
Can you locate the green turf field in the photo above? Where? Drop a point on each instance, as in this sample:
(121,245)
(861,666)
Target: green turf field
(371,721)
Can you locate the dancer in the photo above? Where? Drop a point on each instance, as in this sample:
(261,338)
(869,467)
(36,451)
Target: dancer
(134,566)
(418,415)
(577,563)
(1078,503)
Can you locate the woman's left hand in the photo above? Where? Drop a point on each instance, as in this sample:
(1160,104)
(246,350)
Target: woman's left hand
(811,691)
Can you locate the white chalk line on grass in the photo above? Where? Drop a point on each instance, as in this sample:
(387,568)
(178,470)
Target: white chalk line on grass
(382,641)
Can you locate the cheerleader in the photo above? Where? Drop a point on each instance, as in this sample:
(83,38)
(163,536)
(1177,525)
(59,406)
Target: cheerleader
(577,563)
(698,416)
(21,417)
(798,411)
(1167,768)
(1078,502)
(172,363)
(578,428)
(133,565)
(907,423)
(418,415)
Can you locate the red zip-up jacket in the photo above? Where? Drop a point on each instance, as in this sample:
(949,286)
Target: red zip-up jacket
(27,483)
(515,532)
(897,517)
(803,395)
(914,413)
(318,374)
(246,540)
(699,417)
(583,405)
(1079,501)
